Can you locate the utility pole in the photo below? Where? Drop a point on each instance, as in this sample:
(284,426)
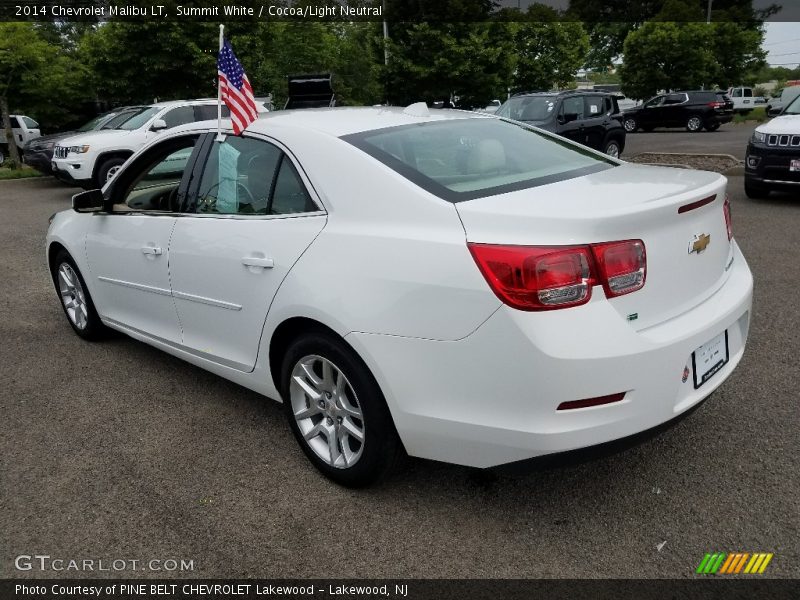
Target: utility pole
(385,36)
(708,13)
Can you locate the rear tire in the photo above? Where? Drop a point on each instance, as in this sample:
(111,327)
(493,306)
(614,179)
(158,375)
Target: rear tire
(712,126)
(694,124)
(630,124)
(337,412)
(75,298)
(612,148)
(755,191)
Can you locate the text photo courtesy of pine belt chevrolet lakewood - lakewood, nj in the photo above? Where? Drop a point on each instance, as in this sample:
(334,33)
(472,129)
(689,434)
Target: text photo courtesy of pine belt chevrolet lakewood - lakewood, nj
(303,290)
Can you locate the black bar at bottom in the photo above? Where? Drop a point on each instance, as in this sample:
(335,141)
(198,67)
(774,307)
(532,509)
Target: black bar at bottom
(710,587)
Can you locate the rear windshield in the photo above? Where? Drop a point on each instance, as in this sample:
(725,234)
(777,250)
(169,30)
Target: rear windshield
(528,108)
(463,159)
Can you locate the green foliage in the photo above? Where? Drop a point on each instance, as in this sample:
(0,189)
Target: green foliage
(665,54)
(431,61)
(548,54)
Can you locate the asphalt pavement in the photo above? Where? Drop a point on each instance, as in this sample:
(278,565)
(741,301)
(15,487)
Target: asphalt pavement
(730,138)
(115,450)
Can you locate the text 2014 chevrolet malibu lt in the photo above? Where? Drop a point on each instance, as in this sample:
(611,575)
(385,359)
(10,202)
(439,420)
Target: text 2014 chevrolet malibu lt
(457,286)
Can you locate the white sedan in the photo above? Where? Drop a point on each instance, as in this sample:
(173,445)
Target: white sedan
(452,285)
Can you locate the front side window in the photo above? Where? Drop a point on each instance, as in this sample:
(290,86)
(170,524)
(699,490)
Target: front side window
(737,93)
(572,109)
(30,123)
(246,176)
(654,101)
(156,186)
(462,159)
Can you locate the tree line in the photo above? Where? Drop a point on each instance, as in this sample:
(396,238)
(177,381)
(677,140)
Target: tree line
(61,73)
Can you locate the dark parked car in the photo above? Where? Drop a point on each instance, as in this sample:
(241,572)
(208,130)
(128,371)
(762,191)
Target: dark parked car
(693,110)
(589,118)
(38,153)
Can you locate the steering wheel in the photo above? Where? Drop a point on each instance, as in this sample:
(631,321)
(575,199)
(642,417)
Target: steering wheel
(245,207)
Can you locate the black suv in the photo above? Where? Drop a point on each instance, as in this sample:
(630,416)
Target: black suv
(693,110)
(589,118)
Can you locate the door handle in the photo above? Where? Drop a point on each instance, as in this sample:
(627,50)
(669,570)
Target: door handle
(151,250)
(258,261)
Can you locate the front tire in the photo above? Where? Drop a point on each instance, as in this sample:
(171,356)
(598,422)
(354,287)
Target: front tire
(755,191)
(75,298)
(337,411)
(694,124)
(107,170)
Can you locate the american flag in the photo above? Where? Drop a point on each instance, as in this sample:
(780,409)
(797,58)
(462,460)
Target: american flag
(235,89)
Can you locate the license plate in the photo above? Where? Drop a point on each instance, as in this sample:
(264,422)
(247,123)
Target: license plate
(709,358)
(794,164)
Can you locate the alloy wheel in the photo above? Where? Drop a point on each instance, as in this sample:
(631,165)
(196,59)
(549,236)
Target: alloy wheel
(327,412)
(694,124)
(613,149)
(73,296)
(630,125)
(111,172)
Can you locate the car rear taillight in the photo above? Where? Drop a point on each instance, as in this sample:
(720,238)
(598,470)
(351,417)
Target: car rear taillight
(726,209)
(545,278)
(716,104)
(622,266)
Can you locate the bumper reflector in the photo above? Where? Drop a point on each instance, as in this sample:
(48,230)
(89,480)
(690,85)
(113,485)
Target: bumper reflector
(591,401)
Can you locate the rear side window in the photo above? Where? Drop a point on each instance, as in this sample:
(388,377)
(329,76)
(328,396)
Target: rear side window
(246,176)
(594,106)
(462,159)
(206,112)
(179,116)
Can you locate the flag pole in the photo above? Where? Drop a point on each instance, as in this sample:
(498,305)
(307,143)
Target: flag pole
(220,138)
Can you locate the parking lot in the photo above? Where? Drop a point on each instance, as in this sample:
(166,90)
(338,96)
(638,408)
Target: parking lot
(728,139)
(117,450)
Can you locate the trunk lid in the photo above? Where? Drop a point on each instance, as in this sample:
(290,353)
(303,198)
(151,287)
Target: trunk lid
(626,202)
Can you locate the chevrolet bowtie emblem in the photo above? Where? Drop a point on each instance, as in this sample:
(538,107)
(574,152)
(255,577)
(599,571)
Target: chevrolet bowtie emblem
(699,243)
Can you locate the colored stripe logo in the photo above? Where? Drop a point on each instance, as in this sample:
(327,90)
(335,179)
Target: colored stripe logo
(733,563)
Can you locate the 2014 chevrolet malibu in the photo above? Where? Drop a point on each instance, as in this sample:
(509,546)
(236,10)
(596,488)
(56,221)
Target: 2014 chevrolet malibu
(455,285)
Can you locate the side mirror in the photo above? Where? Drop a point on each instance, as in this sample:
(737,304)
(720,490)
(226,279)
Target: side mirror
(88,201)
(158,125)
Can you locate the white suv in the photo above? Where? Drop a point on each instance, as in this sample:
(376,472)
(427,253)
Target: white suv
(24,129)
(92,158)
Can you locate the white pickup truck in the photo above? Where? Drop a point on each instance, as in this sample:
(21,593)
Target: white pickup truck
(743,99)
(24,129)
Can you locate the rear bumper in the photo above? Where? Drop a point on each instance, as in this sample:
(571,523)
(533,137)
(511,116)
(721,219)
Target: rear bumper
(492,397)
(721,119)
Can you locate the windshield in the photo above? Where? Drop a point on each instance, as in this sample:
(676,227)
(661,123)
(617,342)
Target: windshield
(528,108)
(137,119)
(793,108)
(462,159)
(94,123)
